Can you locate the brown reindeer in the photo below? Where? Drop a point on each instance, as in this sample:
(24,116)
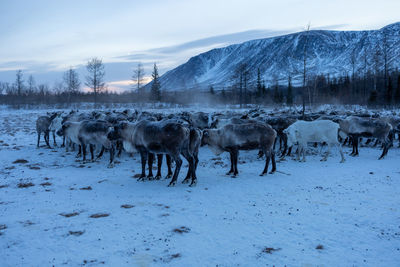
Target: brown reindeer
(235,137)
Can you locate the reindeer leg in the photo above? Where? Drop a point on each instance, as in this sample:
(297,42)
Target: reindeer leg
(178,162)
(289,151)
(38,140)
(267,159)
(356,145)
(54,138)
(91,152)
(273,162)
(190,160)
(339,146)
(284,138)
(385,149)
(235,162)
(112,152)
(159,165)
(83,146)
(232,163)
(101,153)
(168,158)
(150,165)
(119,147)
(46,138)
(143,156)
(194,176)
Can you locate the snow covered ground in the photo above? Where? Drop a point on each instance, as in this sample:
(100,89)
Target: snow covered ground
(54,210)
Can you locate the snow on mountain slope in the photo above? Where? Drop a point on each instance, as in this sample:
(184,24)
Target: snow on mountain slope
(328,52)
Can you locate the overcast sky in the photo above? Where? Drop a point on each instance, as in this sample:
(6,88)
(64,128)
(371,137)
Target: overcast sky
(45,37)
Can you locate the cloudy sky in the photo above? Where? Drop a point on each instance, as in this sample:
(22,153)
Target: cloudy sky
(45,37)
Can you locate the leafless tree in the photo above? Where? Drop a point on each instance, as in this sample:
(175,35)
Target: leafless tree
(31,85)
(95,79)
(385,54)
(19,82)
(307,31)
(71,81)
(377,64)
(5,88)
(138,77)
(365,70)
(58,88)
(242,76)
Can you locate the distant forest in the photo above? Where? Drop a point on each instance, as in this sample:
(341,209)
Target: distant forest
(374,88)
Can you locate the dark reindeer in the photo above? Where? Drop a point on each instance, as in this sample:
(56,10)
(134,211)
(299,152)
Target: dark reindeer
(43,126)
(164,137)
(235,137)
(356,127)
(95,133)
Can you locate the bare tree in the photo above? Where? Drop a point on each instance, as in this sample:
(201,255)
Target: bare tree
(95,79)
(365,70)
(138,77)
(242,76)
(31,85)
(19,82)
(377,64)
(71,81)
(305,70)
(5,88)
(353,61)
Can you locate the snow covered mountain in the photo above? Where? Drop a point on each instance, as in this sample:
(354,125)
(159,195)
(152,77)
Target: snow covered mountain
(328,52)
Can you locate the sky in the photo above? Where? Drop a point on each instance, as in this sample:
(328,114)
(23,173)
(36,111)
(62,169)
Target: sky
(45,37)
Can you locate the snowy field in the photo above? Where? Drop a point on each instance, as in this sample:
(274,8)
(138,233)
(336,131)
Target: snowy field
(57,211)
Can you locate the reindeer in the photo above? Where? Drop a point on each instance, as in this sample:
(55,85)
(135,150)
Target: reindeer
(235,137)
(357,127)
(163,137)
(302,132)
(43,125)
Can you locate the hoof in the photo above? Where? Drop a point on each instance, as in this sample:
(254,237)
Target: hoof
(228,173)
(171,184)
(110,166)
(193,184)
(158,177)
(234,176)
(168,176)
(262,174)
(150,177)
(271,172)
(141,178)
(186,181)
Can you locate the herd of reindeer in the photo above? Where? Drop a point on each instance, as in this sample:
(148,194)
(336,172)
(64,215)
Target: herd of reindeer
(181,134)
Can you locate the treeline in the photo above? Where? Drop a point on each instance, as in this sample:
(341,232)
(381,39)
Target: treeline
(372,89)
(69,90)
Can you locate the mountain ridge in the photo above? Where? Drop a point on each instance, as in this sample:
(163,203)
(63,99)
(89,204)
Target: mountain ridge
(328,52)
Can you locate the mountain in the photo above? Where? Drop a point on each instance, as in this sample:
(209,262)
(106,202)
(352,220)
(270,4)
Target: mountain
(328,52)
